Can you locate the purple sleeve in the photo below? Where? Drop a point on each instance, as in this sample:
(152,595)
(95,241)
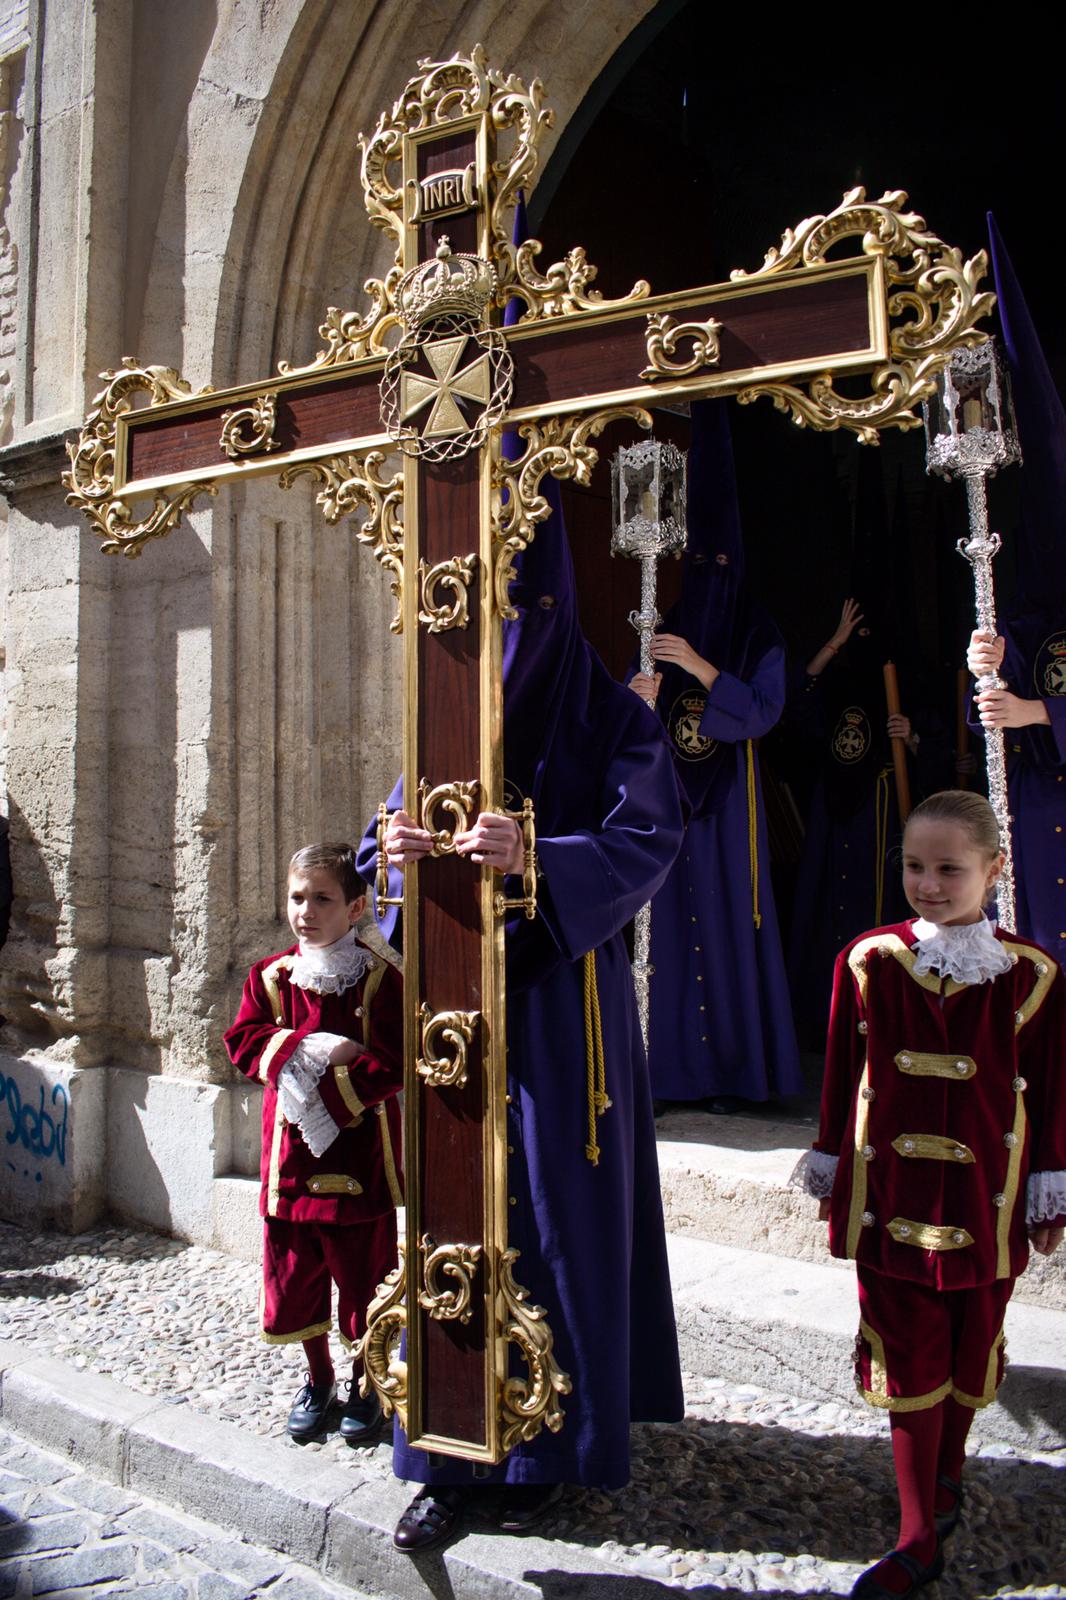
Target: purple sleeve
(1056,710)
(746,709)
(598,877)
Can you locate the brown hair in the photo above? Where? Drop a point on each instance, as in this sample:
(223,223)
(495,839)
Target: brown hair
(972,811)
(336,859)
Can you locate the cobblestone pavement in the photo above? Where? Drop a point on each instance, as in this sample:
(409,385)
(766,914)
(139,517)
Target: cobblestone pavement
(64,1533)
(754,1491)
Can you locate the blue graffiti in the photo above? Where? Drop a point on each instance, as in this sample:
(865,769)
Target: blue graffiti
(35,1128)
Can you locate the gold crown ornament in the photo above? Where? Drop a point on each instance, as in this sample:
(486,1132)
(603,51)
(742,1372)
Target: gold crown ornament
(449,286)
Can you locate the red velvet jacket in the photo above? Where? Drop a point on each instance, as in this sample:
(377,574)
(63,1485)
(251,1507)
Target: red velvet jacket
(940,1111)
(359,1176)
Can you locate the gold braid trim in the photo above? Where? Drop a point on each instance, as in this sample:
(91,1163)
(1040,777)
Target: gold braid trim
(753,835)
(878,1394)
(1044,979)
(858,1168)
(1010,1188)
(595,1065)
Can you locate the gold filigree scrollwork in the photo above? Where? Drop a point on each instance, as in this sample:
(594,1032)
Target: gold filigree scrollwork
(664,336)
(349,336)
(531,1403)
(457,800)
(379,1348)
(559,446)
(454,577)
(459,1262)
(446,1039)
(934,302)
(90,483)
(356,483)
(250,429)
(561,290)
(527,900)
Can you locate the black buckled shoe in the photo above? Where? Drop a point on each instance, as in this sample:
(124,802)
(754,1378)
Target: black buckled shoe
(310,1409)
(361,1420)
(867,1587)
(524,1504)
(433,1516)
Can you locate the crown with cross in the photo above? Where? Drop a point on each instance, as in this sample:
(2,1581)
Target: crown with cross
(451,285)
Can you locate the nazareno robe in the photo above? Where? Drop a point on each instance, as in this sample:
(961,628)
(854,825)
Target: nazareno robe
(591,1237)
(720,1019)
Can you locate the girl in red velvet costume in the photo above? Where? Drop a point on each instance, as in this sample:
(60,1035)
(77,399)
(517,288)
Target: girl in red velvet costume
(940,1158)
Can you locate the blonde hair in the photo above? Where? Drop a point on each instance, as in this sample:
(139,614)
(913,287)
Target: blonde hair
(971,811)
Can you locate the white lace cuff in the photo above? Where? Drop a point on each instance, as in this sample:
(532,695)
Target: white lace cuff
(298,1093)
(1045,1197)
(814,1173)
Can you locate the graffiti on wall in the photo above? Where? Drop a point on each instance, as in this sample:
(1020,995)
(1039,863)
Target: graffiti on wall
(36,1130)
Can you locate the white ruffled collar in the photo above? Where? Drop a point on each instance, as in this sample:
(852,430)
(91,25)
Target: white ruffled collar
(969,952)
(331,968)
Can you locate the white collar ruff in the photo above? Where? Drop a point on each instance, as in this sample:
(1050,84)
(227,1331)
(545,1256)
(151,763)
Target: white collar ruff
(968,952)
(331,968)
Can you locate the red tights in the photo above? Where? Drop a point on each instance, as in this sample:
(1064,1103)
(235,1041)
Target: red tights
(925,1445)
(320,1362)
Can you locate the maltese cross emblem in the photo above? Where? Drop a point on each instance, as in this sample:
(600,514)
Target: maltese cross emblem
(450,383)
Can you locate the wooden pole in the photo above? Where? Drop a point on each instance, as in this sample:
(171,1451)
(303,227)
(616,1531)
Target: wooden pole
(899,748)
(962,726)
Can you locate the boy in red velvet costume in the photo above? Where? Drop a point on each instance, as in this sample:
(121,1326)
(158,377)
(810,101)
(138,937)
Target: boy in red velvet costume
(940,1159)
(321,1026)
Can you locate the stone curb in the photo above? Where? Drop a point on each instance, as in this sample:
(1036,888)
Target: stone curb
(329,1518)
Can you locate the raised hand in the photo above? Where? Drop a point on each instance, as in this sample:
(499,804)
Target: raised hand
(850,617)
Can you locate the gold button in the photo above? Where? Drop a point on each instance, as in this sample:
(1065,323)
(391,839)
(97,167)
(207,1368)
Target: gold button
(507,1097)
(510,1149)
(957,1237)
(962,1066)
(703,1038)
(960,1153)
(1062,880)
(1058,827)
(908,1145)
(903,1232)
(1010,1140)
(699,949)
(869,1094)
(351,1185)
(511,1201)
(693,919)
(1018,1015)
(868,1152)
(904,1061)
(999,1200)
(699,975)
(1041,968)
(868,1218)
(1018,1085)
(703,1008)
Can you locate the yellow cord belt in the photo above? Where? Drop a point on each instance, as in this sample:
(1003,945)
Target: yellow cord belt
(753,836)
(595,1068)
(881,805)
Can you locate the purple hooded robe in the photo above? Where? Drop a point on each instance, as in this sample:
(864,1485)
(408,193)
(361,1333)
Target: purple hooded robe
(592,1241)
(720,1019)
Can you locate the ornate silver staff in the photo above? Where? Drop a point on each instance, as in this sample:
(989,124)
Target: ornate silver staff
(648,483)
(970,433)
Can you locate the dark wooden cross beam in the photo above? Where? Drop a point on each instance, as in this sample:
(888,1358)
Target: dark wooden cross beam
(400,419)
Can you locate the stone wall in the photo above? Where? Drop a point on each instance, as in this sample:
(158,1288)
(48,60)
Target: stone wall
(180,184)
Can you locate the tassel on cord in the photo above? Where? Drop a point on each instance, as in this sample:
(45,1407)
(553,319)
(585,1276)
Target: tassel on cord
(595,1065)
(753,835)
(881,807)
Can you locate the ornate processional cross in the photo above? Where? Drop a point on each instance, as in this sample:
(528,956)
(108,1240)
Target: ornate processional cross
(400,420)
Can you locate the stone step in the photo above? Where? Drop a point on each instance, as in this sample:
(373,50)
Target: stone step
(789,1326)
(725,1179)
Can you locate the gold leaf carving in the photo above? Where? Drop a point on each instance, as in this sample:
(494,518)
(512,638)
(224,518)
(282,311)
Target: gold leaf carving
(664,336)
(455,1261)
(90,483)
(379,1348)
(530,1403)
(559,445)
(458,800)
(445,1030)
(454,577)
(934,302)
(250,429)
(349,336)
(356,483)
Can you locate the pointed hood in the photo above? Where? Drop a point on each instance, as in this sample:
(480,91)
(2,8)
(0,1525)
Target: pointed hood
(1041,551)
(715,613)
